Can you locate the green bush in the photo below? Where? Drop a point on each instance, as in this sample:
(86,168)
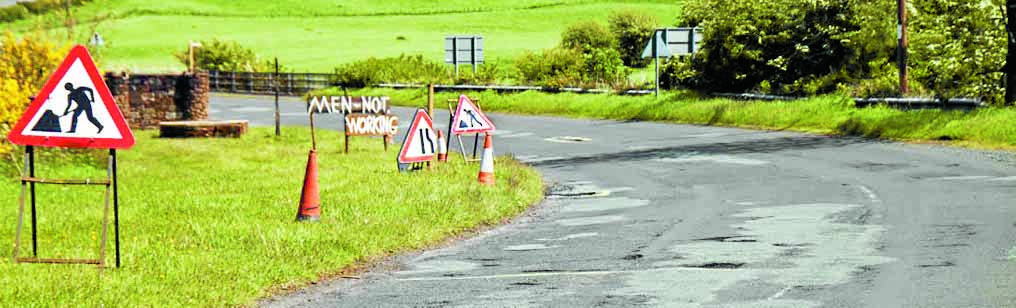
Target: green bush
(958,48)
(564,67)
(632,29)
(587,36)
(43,6)
(415,69)
(604,65)
(788,46)
(225,56)
(404,68)
(13,13)
(555,67)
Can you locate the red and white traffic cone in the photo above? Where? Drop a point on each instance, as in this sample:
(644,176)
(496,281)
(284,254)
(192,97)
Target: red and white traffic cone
(310,203)
(442,148)
(486,176)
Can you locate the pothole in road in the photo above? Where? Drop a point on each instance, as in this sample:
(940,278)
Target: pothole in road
(716,265)
(940,264)
(633,257)
(568,139)
(576,190)
(728,239)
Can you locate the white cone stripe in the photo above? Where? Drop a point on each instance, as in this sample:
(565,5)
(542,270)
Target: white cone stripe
(441,147)
(487,165)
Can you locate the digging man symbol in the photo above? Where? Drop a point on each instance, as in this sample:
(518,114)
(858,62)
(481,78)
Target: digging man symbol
(83,103)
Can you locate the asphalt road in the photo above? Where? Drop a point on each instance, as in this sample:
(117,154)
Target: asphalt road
(692,216)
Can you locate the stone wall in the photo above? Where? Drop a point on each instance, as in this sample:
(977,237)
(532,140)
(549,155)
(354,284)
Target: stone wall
(146,100)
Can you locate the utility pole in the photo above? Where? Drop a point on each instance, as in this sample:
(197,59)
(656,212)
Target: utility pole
(68,22)
(1010,58)
(901,47)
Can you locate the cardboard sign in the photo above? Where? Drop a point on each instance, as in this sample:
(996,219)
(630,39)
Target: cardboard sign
(468,119)
(74,109)
(420,144)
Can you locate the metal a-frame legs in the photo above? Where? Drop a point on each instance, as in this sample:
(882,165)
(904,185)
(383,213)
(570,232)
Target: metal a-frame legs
(28,192)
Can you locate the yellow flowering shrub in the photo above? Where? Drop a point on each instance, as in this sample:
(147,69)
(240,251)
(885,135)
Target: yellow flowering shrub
(25,63)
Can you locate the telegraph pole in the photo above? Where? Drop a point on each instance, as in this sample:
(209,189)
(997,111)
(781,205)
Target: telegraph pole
(901,39)
(1010,58)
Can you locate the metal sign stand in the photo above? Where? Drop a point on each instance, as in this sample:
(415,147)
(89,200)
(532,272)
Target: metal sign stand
(462,146)
(28,188)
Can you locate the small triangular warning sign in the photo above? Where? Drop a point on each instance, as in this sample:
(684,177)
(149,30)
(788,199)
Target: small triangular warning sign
(420,143)
(74,109)
(468,119)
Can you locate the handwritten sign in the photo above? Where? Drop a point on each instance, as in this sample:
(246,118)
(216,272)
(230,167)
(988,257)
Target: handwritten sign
(364,115)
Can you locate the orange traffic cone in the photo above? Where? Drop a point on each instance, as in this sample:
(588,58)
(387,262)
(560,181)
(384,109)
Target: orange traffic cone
(442,148)
(310,203)
(486,176)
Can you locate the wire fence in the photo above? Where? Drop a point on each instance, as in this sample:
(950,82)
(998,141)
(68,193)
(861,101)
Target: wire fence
(302,83)
(265,83)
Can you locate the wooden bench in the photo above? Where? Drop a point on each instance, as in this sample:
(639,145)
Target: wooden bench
(192,129)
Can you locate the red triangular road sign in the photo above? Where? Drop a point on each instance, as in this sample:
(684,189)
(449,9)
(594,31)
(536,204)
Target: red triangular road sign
(420,143)
(468,119)
(74,110)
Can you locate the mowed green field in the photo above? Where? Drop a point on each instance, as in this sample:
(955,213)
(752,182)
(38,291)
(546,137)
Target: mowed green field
(210,222)
(317,35)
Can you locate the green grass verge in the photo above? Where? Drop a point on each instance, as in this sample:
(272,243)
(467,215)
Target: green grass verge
(993,128)
(318,35)
(210,222)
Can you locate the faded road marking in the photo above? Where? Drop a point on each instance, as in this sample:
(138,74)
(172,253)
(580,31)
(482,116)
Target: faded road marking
(585,221)
(780,294)
(570,236)
(603,204)
(724,159)
(527,247)
(515,135)
(961,178)
(871,194)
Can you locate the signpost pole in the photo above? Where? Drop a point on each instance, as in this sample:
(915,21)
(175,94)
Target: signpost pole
(345,143)
(430,100)
(476,137)
(31,189)
(275,85)
(116,207)
(455,55)
(656,61)
(472,54)
(105,211)
(901,48)
(448,141)
(313,138)
(345,127)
